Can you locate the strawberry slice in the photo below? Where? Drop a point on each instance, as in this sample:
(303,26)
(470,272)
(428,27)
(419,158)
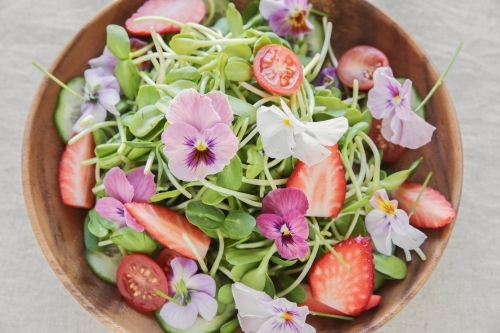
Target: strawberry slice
(315,305)
(432,211)
(167,227)
(323,183)
(332,284)
(183,11)
(76,181)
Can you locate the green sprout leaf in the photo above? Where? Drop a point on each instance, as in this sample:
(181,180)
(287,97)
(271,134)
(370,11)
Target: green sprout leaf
(205,216)
(118,42)
(133,241)
(238,224)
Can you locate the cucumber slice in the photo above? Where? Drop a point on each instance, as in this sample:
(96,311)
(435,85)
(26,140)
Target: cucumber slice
(200,325)
(315,38)
(104,264)
(68,108)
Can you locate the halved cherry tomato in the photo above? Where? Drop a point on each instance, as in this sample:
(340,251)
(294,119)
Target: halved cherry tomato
(359,63)
(165,257)
(277,69)
(391,151)
(137,277)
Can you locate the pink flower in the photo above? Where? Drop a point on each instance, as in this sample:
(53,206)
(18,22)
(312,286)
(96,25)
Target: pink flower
(390,101)
(136,187)
(194,292)
(199,141)
(286,16)
(283,220)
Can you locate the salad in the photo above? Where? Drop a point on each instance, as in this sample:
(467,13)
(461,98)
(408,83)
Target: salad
(237,174)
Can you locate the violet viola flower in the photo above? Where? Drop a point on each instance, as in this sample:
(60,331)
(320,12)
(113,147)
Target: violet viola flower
(136,187)
(328,77)
(283,220)
(106,61)
(390,101)
(101,94)
(259,313)
(286,16)
(199,141)
(387,224)
(194,292)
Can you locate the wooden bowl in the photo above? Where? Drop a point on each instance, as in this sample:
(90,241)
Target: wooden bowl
(59,229)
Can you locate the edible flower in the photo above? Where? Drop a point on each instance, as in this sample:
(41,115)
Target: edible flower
(108,61)
(199,141)
(259,313)
(387,224)
(136,187)
(101,94)
(283,135)
(194,293)
(390,101)
(328,77)
(286,16)
(283,220)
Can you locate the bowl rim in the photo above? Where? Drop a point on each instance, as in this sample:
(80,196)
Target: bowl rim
(27,181)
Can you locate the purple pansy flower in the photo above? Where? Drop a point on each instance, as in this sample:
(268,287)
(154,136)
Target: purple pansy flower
(101,94)
(194,292)
(199,141)
(136,187)
(259,313)
(387,224)
(328,77)
(390,101)
(283,220)
(286,16)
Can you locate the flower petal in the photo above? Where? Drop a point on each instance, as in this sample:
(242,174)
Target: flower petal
(292,247)
(246,300)
(94,109)
(251,324)
(117,186)
(202,283)
(308,329)
(280,200)
(383,242)
(378,199)
(328,132)
(400,222)
(191,108)
(297,224)
(144,185)
(268,7)
(206,305)
(220,103)
(413,133)
(106,61)
(109,98)
(132,222)
(182,269)
(380,97)
(270,225)
(403,109)
(298,126)
(280,145)
(279,325)
(223,144)
(180,317)
(277,138)
(109,82)
(376,222)
(111,209)
(411,240)
(93,76)
(309,150)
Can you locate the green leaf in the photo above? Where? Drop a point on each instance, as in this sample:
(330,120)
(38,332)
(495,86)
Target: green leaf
(163,103)
(221,307)
(184,44)
(255,279)
(297,295)
(343,223)
(260,43)
(137,153)
(241,108)
(275,39)
(164,195)
(416,99)
(245,256)
(176,87)
(395,180)
(238,271)
(97,223)
(238,224)
(230,177)
(128,77)
(353,116)
(106,150)
(145,120)
(225,294)
(269,287)
(238,71)
(352,206)
(379,281)
(133,241)
(334,106)
(230,326)
(90,240)
(239,50)
(118,42)
(281,262)
(250,10)
(205,216)
(390,267)
(234,21)
(256,163)
(148,95)
(189,73)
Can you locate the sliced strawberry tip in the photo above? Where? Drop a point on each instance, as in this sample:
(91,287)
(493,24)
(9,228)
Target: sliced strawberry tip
(373,302)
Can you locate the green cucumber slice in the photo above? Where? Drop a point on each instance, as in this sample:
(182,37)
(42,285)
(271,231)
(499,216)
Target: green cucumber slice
(68,108)
(201,325)
(104,264)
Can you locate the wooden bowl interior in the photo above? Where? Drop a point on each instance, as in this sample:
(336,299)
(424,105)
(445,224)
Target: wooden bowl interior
(59,229)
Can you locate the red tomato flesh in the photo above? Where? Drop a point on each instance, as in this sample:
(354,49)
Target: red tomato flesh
(165,257)
(391,151)
(278,70)
(137,277)
(359,63)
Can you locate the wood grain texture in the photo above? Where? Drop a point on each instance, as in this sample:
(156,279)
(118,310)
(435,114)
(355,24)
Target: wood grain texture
(59,227)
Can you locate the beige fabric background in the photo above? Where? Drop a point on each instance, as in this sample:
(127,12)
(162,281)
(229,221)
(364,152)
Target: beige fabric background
(462,295)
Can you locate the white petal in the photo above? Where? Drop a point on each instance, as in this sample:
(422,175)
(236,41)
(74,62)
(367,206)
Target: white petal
(268,7)
(378,199)
(411,240)
(308,329)
(206,305)
(382,241)
(298,126)
(309,150)
(279,145)
(328,132)
(270,120)
(246,300)
(400,222)
(251,324)
(376,221)
(177,316)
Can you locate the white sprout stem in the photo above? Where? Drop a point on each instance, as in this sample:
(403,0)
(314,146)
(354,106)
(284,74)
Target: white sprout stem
(123,136)
(250,202)
(141,51)
(421,254)
(164,45)
(200,193)
(193,248)
(161,75)
(268,173)
(355,93)
(424,185)
(90,161)
(86,131)
(147,79)
(333,59)
(176,183)
(293,104)
(302,104)
(238,92)
(331,225)
(105,243)
(223,206)
(269,99)
(98,189)
(166,55)
(407,254)
(88,121)
(352,176)
(262,189)
(259,182)
(243,129)
(352,225)
(248,137)
(211,12)
(251,88)
(149,162)
(274,163)
(203,84)
(311,64)
(363,164)
(310,97)
(219,255)
(376,171)
(239,195)
(226,272)
(59,82)
(324,50)
(315,228)
(369,176)
(255,245)
(159,18)
(97,172)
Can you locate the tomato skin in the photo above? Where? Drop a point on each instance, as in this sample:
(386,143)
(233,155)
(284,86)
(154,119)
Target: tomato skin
(137,278)
(359,63)
(391,151)
(278,70)
(165,257)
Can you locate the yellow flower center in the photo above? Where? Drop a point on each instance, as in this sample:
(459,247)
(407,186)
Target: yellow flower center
(396,100)
(288,316)
(201,146)
(388,207)
(284,230)
(298,19)
(287,122)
